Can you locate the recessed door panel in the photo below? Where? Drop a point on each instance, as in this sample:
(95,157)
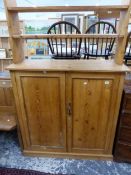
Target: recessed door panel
(44,102)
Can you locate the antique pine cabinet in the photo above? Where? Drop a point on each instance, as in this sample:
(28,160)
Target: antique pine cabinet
(67,108)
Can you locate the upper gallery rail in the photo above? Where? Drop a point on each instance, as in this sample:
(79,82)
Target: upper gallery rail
(68,8)
(45,36)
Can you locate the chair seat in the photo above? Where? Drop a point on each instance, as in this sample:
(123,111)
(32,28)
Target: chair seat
(98,53)
(68,56)
(127,57)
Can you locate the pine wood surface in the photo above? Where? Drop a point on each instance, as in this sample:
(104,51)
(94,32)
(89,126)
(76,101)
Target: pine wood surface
(56,99)
(45,36)
(69,65)
(67,8)
(46,122)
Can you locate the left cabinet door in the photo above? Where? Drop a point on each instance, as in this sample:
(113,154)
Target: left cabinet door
(42,118)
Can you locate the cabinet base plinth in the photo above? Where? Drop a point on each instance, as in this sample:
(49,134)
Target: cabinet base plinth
(68,155)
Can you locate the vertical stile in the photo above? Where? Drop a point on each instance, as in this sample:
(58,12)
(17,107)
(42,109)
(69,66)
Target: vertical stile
(60,38)
(88,46)
(98,28)
(92,45)
(52,48)
(71,42)
(85,47)
(101,46)
(76,45)
(106,45)
(104,28)
(113,40)
(66,40)
(76,42)
(123,30)
(97,43)
(14,28)
(56,41)
(129,50)
(17,43)
(109,30)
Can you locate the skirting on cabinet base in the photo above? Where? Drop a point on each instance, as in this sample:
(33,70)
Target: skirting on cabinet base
(68,155)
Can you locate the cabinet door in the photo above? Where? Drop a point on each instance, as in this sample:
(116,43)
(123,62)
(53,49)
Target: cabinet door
(42,102)
(91,106)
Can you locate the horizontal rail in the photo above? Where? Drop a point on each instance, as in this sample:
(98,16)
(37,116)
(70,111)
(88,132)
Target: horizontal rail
(68,8)
(46,36)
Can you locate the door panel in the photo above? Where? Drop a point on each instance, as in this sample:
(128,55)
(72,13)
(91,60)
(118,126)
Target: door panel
(44,104)
(91,101)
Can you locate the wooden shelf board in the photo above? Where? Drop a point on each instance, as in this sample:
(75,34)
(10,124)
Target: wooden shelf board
(45,36)
(67,8)
(69,65)
(7,122)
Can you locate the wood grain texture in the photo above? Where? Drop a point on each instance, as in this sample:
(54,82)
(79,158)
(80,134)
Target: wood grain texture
(16,37)
(89,128)
(123,30)
(63,36)
(68,155)
(69,65)
(42,101)
(14,28)
(56,112)
(67,8)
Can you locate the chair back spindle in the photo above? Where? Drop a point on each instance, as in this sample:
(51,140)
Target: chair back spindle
(99,47)
(128,50)
(64,48)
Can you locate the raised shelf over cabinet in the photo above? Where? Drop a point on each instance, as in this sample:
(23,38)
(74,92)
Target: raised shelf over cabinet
(45,36)
(67,8)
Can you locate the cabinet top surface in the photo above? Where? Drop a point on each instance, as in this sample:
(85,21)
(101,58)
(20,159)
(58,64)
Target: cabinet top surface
(69,65)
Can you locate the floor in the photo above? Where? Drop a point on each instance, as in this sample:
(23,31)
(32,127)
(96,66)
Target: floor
(10,156)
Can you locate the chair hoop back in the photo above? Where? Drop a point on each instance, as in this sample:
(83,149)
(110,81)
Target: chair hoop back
(128,45)
(111,28)
(99,47)
(64,48)
(128,50)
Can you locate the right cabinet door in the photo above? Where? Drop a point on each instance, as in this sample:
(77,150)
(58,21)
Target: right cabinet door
(91,103)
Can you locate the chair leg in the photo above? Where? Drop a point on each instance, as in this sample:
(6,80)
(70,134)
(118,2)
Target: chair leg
(84,56)
(87,57)
(125,61)
(106,58)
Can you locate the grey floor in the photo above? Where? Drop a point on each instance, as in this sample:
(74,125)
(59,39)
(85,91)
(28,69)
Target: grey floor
(10,156)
